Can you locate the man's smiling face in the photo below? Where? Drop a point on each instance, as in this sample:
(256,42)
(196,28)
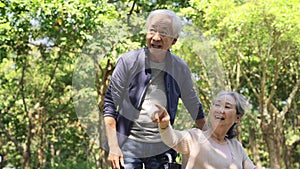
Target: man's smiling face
(160,35)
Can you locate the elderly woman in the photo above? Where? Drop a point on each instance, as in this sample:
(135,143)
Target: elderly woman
(216,147)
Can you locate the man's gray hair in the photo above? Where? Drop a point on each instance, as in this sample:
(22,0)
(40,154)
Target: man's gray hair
(176,21)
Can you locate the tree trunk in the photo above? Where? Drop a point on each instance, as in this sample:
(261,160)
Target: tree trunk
(254,147)
(272,146)
(101,89)
(27,149)
(26,157)
(287,156)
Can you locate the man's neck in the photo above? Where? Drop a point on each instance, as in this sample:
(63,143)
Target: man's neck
(158,59)
(157,55)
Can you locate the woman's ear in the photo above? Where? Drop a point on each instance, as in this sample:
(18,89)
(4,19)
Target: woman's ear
(238,118)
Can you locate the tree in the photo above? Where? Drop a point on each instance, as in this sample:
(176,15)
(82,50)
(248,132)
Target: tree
(258,42)
(39,43)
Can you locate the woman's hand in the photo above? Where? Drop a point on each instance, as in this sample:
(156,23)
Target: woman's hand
(161,116)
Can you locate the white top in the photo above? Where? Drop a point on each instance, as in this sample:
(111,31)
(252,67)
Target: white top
(201,152)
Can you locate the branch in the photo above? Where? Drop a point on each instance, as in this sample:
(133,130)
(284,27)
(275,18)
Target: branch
(274,110)
(247,78)
(59,111)
(10,137)
(22,86)
(268,101)
(252,117)
(289,100)
(96,73)
(252,87)
(51,78)
(130,12)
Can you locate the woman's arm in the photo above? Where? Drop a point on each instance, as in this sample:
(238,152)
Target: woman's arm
(178,140)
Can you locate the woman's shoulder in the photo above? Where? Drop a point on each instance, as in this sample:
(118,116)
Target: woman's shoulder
(236,144)
(234,141)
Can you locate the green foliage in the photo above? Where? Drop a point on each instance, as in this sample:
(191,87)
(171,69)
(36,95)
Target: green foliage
(53,54)
(258,41)
(39,45)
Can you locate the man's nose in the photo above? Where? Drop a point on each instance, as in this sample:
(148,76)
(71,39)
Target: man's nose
(156,36)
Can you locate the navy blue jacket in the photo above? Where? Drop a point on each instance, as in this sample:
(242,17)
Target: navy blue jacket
(128,84)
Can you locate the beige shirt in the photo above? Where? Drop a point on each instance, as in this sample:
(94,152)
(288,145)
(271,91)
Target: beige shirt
(199,152)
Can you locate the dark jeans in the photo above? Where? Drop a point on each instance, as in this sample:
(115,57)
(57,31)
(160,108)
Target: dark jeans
(151,155)
(153,162)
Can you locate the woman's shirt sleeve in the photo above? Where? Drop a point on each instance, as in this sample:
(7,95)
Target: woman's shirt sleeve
(178,140)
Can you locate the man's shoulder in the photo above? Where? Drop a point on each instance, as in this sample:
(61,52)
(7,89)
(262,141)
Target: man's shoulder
(177,60)
(179,66)
(132,54)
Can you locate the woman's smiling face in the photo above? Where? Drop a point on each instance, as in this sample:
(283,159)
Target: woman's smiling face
(223,111)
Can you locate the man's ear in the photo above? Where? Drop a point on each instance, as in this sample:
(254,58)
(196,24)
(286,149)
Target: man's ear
(174,41)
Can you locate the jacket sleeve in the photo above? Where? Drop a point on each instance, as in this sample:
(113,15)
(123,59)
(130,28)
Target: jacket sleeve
(115,90)
(190,97)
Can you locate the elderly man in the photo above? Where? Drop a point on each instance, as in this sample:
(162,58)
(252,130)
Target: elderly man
(142,78)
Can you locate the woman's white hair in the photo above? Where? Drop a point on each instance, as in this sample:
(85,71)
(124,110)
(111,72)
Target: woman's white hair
(176,21)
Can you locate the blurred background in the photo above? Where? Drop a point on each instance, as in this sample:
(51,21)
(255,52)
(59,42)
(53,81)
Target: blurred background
(56,58)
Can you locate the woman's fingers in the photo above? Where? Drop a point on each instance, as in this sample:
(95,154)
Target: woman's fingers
(161,115)
(158,114)
(155,116)
(161,108)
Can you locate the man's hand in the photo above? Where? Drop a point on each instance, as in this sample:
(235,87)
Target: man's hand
(161,116)
(116,157)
